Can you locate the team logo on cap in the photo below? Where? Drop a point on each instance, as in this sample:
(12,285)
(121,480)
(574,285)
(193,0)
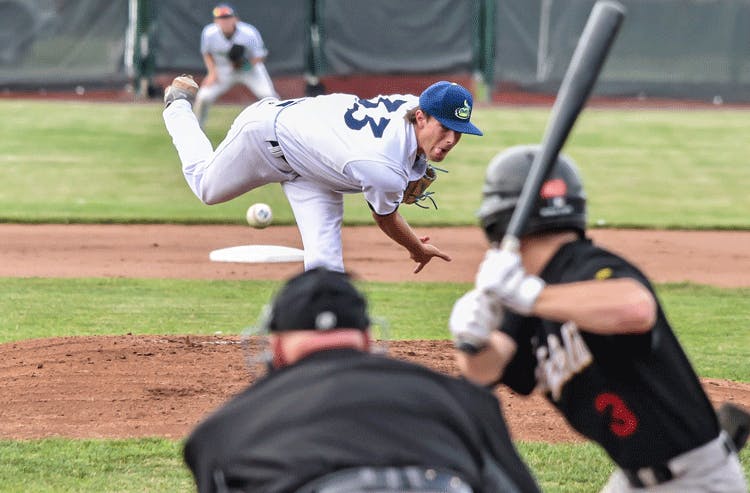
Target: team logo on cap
(325,320)
(463,112)
(222,11)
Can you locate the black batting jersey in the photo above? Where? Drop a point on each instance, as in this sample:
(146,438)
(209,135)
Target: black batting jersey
(635,395)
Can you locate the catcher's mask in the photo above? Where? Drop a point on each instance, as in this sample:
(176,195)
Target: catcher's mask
(561,204)
(316,300)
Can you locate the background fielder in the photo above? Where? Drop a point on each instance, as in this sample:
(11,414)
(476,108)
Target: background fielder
(233,52)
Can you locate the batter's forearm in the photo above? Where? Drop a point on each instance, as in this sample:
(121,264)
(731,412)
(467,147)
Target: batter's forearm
(487,366)
(613,306)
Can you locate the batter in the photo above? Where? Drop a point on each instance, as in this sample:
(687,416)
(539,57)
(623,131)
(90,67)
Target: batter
(584,326)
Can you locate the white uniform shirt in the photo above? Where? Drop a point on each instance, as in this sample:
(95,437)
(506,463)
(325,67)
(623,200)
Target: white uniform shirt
(352,145)
(214,42)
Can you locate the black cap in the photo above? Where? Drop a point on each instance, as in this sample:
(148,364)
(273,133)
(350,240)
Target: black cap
(319,299)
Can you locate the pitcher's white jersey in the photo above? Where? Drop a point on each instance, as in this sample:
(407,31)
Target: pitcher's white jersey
(317,148)
(320,148)
(216,44)
(353,145)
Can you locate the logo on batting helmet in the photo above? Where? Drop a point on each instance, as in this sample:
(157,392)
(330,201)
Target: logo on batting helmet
(561,204)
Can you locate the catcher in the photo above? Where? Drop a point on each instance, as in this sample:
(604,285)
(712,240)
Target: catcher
(234,53)
(330,416)
(322,147)
(583,326)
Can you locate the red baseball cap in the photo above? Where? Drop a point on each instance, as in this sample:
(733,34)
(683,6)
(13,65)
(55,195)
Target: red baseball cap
(223,10)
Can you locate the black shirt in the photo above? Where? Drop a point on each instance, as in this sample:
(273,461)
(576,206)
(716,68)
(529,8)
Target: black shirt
(343,408)
(636,395)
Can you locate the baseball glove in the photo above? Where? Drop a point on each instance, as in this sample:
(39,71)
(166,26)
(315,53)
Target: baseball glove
(236,55)
(416,190)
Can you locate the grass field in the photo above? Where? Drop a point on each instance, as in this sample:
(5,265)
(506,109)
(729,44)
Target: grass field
(57,466)
(34,308)
(85,162)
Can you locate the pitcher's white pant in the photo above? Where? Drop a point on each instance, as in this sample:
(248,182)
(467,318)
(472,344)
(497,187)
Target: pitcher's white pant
(319,213)
(256,79)
(244,161)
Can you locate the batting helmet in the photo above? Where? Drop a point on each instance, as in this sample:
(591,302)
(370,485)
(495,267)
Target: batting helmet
(561,204)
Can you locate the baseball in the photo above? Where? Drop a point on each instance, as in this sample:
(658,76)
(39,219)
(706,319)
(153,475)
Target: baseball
(259,215)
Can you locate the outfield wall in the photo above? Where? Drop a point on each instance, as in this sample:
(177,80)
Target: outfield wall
(695,49)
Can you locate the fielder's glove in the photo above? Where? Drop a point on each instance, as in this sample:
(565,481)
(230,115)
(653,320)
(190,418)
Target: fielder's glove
(475,315)
(502,275)
(236,55)
(416,190)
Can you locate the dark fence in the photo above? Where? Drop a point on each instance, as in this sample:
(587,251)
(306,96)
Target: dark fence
(697,49)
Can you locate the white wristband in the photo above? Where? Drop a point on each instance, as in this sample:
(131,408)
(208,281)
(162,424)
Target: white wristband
(523,299)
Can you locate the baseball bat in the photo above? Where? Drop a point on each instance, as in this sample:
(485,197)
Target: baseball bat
(584,68)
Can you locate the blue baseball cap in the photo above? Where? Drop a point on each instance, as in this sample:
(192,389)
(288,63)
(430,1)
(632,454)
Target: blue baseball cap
(450,104)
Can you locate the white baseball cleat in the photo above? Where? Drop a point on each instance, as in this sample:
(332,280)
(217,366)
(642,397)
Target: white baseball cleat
(182,87)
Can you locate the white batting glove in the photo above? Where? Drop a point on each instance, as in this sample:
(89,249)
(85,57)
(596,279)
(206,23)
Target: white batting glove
(501,274)
(475,315)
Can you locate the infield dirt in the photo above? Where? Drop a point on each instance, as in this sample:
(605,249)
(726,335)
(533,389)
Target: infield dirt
(135,386)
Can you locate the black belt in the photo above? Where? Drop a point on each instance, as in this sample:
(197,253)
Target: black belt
(275,149)
(388,479)
(653,475)
(660,474)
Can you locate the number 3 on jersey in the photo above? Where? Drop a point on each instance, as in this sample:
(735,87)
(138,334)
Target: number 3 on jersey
(622,421)
(370,112)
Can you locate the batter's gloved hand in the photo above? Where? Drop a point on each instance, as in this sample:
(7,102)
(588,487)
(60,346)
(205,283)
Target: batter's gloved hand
(501,274)
(475,315)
